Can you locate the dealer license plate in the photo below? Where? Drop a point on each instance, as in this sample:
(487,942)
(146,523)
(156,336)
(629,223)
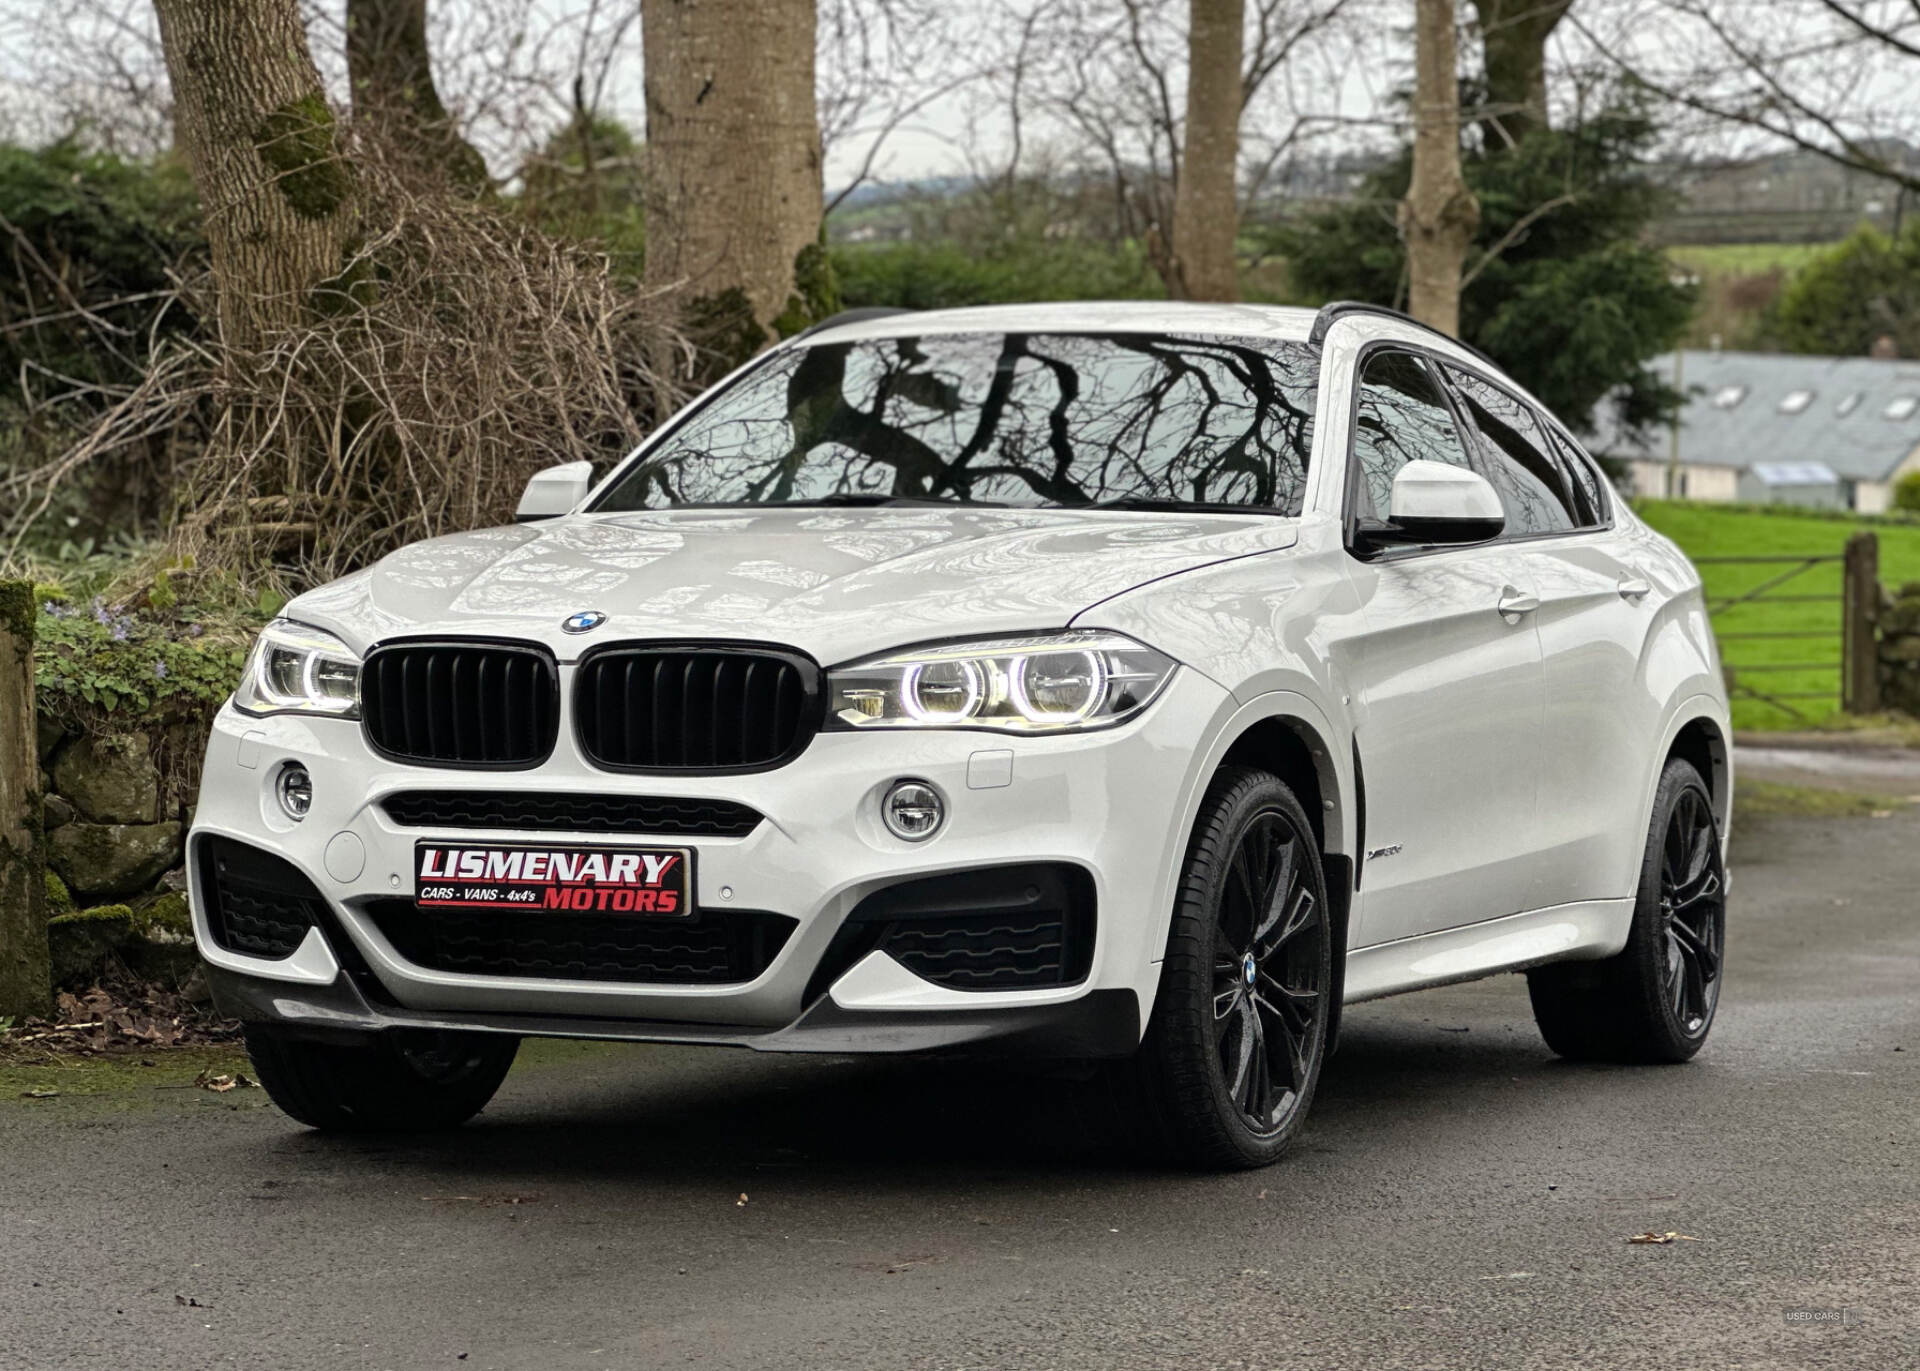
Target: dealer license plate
(656,881)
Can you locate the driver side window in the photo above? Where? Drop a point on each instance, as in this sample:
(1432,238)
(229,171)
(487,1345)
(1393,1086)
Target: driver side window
(1400,417)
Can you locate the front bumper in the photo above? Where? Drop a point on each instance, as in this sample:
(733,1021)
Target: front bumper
(1107,802)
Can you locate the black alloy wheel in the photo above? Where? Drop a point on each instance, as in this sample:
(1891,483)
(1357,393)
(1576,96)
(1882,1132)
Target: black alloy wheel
(1233,1050)
(1655,1000)
(1693,912)
(1269,973)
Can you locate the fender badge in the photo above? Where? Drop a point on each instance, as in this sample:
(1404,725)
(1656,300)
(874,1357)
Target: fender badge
(584,622)
(1377,853)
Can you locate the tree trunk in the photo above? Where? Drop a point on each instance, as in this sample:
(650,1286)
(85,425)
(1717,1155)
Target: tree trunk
(1513,36)
(733,196)
(26,983)
(1439,215)
(1206,211)
(275,195)
(391,74)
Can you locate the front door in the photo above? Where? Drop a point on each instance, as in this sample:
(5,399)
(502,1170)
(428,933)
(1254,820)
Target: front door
(1447,690)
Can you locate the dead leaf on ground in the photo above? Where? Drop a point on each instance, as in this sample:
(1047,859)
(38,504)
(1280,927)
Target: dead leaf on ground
(741,1203)
(220,1083)
(188,1302)
(1660,1239)
(483,1200)
(39,1092)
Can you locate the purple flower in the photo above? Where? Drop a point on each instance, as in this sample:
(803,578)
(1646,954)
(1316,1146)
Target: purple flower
(159,671)
(56,610)
(119,630)
(100,615)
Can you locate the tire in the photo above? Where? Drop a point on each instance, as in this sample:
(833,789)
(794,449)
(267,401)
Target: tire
(1248,969)
(1655,1000)
(400,1082)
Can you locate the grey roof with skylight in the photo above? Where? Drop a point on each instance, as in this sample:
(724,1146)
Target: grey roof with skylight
(1860,416)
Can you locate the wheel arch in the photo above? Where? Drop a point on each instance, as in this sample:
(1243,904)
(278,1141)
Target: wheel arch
(1281,734)
(1701,741)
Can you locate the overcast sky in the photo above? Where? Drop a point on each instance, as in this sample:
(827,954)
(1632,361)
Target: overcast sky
(507,67)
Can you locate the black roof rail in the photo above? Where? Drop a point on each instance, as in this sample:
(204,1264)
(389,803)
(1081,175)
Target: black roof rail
(848,316)
(1335,310)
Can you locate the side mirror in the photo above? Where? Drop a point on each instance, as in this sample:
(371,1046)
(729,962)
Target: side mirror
(555,491)
(1435,502)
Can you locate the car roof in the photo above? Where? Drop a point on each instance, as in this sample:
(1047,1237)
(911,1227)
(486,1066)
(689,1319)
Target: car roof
(1278,322)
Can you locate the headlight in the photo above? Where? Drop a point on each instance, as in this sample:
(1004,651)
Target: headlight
(1042,684)
(299,670)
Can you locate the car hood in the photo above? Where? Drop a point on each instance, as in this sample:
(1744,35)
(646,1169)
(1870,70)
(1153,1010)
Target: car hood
(835,583)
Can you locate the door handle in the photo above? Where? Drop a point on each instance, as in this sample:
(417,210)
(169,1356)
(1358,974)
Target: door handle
(1634,588)
(1513,603)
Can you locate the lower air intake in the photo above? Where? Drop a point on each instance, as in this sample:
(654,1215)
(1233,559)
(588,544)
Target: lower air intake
(255,903)
(711,948)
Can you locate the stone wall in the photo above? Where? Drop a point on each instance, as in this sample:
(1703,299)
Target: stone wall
(1899,630)
(114,885)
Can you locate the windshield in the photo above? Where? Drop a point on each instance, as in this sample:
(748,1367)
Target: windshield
(1015,419)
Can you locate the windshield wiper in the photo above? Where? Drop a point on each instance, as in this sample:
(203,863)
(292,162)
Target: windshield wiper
(1178,506)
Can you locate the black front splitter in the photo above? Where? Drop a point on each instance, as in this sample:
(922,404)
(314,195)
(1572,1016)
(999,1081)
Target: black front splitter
(1101,1023)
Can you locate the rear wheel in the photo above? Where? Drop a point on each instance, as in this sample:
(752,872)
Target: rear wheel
(1233,1051)
(407,1081)
(1655,1001)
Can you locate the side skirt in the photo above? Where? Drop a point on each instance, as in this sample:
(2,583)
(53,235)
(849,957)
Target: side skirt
(1569,932)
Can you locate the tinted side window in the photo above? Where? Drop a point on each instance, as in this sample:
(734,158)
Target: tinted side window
(1401,417)
(1521,465)
(1587,494)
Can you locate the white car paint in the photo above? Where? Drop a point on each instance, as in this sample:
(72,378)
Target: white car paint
(1509,707)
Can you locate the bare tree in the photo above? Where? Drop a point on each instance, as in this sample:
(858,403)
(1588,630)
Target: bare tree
(275,192)
(1440,214)
(1206,216)
(391,73)
(1513,38)
(733,160)
(1832,77)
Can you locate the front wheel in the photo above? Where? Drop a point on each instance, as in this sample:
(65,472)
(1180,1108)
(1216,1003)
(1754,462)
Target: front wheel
(405,1081)
(1655,1001)
(1233,1050)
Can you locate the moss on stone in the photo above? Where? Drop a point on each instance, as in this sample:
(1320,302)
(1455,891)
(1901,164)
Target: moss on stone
(165,919)
(19,609)
(296,142)
(59,898)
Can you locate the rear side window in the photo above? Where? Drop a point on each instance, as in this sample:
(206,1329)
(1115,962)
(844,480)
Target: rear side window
(1401,417)
(1533,489)
(1588,496)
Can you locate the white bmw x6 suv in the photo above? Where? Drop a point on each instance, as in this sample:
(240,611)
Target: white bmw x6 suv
(1129,681)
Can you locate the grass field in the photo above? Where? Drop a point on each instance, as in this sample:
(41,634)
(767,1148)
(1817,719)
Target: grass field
(1745,259)
(1704,531)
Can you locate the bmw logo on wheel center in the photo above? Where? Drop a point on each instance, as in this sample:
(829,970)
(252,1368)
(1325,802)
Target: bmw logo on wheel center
(585,621)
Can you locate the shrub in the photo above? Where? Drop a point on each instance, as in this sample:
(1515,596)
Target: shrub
(1906,493)
(947,276)
(1843,300)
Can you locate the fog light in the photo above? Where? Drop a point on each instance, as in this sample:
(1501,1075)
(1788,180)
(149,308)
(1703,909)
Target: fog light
(294,788)
(913,810)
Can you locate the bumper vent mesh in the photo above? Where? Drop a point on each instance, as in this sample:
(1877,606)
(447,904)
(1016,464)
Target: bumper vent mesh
(256,904)
(712,948)
(558,812)
(698,708)
(461,704)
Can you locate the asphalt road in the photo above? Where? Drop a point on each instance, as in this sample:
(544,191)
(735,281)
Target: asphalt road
(1460,1200)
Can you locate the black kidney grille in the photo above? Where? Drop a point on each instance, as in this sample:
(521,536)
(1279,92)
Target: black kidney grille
(256,903)
(558,812)
(694,709)
(711,948)
(461,704)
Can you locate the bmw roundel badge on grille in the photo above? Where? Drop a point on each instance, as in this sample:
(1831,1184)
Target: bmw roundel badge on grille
(585,621)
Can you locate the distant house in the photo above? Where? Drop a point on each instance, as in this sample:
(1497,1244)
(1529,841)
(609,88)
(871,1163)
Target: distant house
(1829,431)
